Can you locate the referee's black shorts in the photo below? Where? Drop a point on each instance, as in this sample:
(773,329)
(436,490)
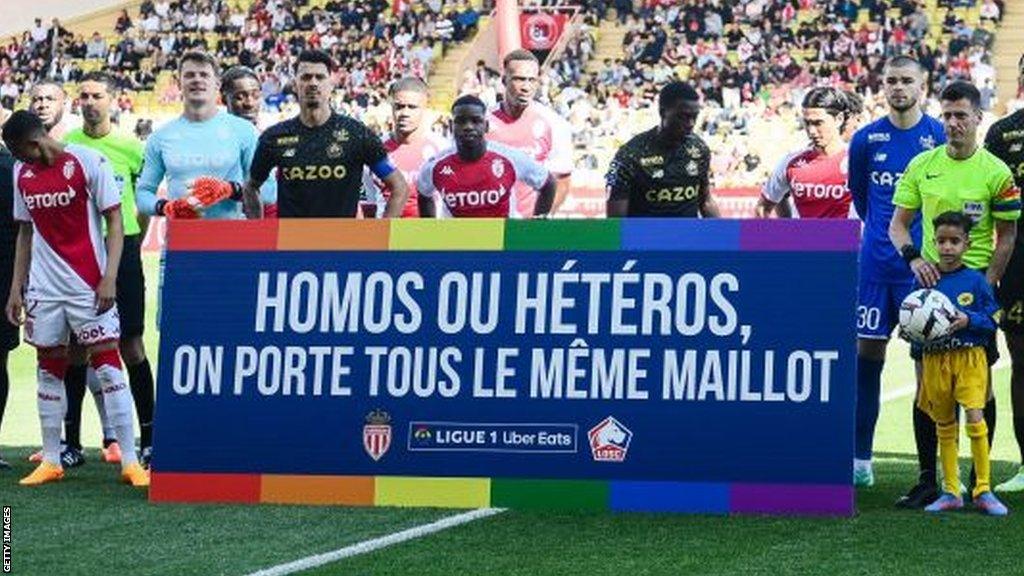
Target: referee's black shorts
(9,333)
(131,288)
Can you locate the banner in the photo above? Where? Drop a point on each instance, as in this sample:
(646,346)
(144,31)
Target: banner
(541,30)
(650,365)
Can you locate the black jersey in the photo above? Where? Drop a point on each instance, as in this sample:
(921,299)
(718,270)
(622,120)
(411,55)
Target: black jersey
(659,181)
(319,170)
(1005,139)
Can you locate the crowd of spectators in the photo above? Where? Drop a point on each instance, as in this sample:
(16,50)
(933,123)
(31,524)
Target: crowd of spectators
(372,43)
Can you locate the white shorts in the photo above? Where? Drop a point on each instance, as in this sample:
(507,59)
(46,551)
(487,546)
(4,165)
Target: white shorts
(49,322)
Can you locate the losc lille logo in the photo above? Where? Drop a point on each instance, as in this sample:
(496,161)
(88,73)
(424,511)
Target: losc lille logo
(609,440)
(377,434)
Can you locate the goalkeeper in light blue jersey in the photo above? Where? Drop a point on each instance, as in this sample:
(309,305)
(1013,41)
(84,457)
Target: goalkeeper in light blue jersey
(879,153)
(203,142)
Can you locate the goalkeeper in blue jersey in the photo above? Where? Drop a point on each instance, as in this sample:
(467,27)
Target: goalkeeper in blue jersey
(954,369)
(878,154)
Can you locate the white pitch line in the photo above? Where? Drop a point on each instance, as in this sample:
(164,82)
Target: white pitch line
(376,543)
(909,390)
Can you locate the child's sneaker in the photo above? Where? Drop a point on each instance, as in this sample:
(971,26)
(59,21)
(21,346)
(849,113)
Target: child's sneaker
(989,504)
(945,502)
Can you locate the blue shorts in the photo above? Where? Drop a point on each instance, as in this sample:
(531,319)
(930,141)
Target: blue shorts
(878,308)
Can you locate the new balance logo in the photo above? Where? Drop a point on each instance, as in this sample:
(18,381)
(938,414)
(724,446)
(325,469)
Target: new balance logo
(931,176)
(447,171)
(50,200)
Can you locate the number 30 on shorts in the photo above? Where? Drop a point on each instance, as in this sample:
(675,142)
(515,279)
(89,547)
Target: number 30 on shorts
(868,317)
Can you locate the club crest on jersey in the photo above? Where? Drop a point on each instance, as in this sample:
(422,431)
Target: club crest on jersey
(693,152)
(498,168)
(68,170)
(927,141)
(377,434)
(609,440)
(965,299)
(692,168)
(341,135)
(334,150)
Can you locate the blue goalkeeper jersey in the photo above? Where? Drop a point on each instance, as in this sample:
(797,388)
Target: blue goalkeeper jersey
(879,153)
(182,150)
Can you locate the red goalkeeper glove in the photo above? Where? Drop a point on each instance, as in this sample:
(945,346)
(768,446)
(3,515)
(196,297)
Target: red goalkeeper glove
(180,209)
(209,191)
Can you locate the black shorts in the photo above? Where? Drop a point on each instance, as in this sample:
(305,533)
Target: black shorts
(10,335)
(1011,293)
(131,288)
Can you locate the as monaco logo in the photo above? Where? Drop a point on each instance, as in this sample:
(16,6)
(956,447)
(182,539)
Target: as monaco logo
(69,169)
(498,168)
(609,440)
(377,434)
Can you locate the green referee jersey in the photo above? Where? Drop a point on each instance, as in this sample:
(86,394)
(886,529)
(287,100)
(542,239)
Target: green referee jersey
(125,155)
(981,187)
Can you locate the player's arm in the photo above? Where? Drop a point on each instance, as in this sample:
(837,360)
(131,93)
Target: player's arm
(106,293)
(22,260)
(1006,237)
(107,197)
(425,189)
(399,188)
(858,173)
(708,207)
(152,175)
(775,194)
(619,184)
(899,233)
(560,161)
(263,161)
(547,195)
(137,160)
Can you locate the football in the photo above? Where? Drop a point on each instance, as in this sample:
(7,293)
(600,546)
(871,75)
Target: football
(925,316)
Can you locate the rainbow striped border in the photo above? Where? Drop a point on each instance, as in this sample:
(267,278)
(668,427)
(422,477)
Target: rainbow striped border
(521,235)
(603,495)
(524,235)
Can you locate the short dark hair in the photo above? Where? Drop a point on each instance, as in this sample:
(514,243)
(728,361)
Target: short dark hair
(50,82)
(315,57)
(228,78)
(831,99)
(519,55)
(903,61)
(854,102)
(961,90)
(199,57)
(951,218)
(675,92)
(469,100)
(408,84)
(105,78)
(21,126)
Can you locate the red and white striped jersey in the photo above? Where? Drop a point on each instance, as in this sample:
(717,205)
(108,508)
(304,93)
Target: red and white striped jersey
(408,157)
(482,188)
(65,202)
(543,135)
(816,181)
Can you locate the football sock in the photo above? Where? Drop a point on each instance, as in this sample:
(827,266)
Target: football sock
(926,440)
(52,403)
(5,383)
(140,377)
(118,401)
(947,453)
(978,433)
(74,383)
(869,385)
(96,388)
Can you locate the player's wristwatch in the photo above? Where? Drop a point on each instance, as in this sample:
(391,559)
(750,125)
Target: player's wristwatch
(909,252)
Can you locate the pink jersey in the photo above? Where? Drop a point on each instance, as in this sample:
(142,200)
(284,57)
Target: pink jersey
(816,181)
(64,202)
(540,133)
(482,188)
(408,158)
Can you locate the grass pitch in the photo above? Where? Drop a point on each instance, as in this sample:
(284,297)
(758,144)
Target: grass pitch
(89,524)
